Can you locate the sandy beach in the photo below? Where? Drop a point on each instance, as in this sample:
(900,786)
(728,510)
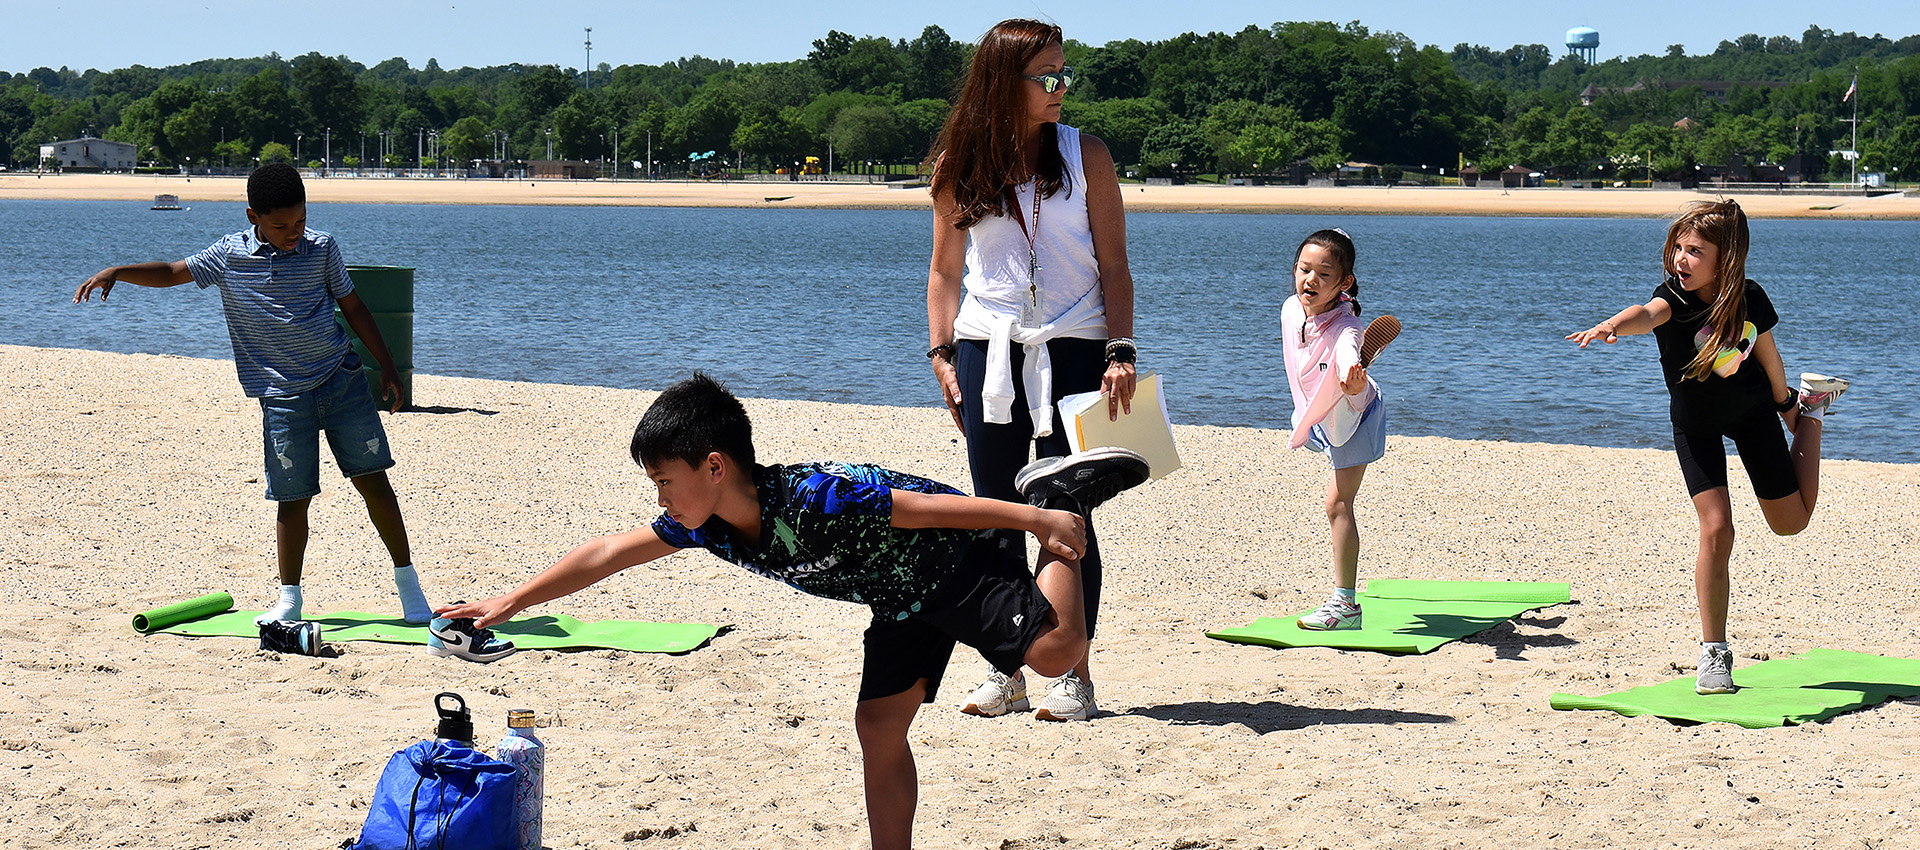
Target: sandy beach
(133,480)
(1477,201)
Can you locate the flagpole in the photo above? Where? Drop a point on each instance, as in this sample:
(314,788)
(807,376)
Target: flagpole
(1856,134)
(1853,95)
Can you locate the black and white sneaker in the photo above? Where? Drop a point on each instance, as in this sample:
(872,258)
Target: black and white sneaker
(1087,479)
(459,637)
(291,636)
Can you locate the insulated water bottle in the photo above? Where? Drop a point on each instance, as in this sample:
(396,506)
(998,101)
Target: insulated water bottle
(456,724)
(528,757)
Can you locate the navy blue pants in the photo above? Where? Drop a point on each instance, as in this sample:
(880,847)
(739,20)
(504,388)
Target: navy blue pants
(996,452)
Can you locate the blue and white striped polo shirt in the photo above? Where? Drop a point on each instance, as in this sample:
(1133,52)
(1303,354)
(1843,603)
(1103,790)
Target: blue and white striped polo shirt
(279,307)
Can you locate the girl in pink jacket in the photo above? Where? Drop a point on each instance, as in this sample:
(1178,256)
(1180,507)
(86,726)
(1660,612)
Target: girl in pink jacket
(1337,408)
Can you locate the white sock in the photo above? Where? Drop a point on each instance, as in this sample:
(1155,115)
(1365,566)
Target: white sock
(288,608)
(413,601)
(1716,644)
(1817,413)
(1345,594)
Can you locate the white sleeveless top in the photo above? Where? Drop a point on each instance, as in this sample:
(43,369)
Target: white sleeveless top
(1071,302)
(996,275)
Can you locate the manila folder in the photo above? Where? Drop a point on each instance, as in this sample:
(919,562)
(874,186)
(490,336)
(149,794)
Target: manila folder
(1144,430)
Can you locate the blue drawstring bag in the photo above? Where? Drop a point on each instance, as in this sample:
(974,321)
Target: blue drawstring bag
(441,795)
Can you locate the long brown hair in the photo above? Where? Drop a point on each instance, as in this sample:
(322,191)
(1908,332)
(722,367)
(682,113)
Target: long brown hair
(1724,224)
(977,157)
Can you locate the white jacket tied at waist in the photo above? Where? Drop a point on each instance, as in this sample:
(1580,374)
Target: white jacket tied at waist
(1001,328)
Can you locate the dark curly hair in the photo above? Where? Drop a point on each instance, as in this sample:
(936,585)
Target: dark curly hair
(275,186)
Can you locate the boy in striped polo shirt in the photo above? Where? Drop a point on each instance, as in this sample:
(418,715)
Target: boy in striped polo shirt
(278,284)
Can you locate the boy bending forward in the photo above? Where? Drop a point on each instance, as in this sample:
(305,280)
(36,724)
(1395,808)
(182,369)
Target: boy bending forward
(922,556)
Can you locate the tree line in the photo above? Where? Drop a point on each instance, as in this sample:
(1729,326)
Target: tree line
(1258,101)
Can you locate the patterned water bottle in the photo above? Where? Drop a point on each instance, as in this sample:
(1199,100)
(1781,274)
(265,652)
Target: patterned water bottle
(529,760)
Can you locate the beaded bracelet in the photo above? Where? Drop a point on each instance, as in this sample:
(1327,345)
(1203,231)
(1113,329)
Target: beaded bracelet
(1793,398)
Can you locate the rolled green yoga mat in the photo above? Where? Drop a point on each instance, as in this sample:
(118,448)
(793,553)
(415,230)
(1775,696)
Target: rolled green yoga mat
(180,612)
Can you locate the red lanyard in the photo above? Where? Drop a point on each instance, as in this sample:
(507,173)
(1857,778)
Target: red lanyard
(1033,251)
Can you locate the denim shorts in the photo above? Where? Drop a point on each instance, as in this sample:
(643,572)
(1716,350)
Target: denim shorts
(291,426)
(1368,443)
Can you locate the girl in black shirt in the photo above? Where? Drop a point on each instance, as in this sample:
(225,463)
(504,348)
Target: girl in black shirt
(1726,379)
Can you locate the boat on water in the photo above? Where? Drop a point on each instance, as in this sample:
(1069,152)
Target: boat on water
(170,203)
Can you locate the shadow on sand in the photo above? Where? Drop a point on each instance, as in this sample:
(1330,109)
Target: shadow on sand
(1264,717)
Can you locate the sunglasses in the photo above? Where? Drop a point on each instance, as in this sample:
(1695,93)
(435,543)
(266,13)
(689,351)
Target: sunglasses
(1061,79)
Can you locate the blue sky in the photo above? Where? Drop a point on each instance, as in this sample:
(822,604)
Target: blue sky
(495,32)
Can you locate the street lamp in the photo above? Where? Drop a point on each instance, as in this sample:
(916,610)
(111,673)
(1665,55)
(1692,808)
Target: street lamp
(296,148)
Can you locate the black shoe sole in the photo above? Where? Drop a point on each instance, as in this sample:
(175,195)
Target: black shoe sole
(1088,479)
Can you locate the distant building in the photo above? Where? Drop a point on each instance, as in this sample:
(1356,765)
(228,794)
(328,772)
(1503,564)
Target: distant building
(1714,90)
(89,154)
(562,169)
(1520,176)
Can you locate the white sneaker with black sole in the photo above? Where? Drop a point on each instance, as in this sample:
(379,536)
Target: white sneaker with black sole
(459,638)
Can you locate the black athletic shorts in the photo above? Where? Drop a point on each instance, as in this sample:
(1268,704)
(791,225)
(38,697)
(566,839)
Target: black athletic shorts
(1763,451)
(991,604)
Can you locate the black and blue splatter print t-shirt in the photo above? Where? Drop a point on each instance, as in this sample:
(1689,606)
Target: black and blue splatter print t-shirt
(826,529)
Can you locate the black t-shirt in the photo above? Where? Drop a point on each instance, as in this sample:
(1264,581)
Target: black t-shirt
(1737,383)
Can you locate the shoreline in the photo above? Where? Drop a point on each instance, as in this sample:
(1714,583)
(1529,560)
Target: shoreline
(227,363)
(1360,200)
(133,480)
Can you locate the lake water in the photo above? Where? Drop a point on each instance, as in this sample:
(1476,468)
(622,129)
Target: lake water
(831,305)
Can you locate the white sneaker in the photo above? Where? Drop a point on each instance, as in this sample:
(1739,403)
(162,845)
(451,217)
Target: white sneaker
(1715,673)
(1336,615)
(1819,392)
(1068,699)
(1000,694)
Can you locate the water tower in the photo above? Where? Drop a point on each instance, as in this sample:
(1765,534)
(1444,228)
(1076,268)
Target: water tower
(1583,42)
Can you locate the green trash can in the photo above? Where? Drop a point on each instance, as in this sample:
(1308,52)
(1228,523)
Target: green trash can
(388,293)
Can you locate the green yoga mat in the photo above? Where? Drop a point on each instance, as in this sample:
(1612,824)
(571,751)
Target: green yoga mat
(179,612)
(1801,689)
(1408,617)
(547,631)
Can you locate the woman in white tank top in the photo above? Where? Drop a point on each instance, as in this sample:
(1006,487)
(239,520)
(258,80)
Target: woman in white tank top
(1028,295)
